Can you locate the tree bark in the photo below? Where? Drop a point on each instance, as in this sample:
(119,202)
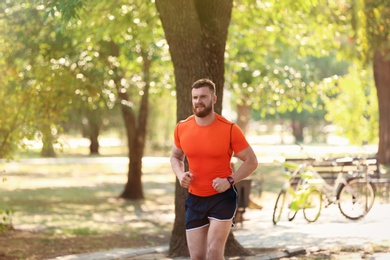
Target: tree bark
(93,130)
(196,31)
(47,142)
(178,243)
(243,116)
(135,127)
(94,145)
(133,188)
(381,67)
(297,129)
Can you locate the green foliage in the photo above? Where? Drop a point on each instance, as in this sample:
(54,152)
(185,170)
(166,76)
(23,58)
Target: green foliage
(6,220)
(69,8)
(352,105)
(279,52)
(62,60)
(64,67)
(268,56)
(35,88)
(14,115)
(5,217)
(116,42)
(370,21)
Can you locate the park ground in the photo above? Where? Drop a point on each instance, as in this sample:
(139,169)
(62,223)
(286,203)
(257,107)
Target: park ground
(69,205)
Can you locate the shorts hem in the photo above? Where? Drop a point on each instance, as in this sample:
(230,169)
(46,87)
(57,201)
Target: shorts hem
(229,219)
(194,228)
(221,219)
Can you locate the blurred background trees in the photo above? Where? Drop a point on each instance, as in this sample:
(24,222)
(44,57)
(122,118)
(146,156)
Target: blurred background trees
(286,63)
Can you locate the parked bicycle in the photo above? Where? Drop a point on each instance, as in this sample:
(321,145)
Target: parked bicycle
(354,194)
(305,189)
(300,192)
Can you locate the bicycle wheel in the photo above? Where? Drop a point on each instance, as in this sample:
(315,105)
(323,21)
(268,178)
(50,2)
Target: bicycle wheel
(293,207)
(355,199)
(279,205)
(292,214)
(313,205)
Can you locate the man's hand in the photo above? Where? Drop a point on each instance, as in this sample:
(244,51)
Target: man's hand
(221,184)
(185,179)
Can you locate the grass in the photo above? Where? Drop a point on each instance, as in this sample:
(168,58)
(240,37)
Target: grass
(68,208)
(82,198)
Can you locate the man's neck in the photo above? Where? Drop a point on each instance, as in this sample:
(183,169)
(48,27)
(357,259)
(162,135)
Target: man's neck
(207,120)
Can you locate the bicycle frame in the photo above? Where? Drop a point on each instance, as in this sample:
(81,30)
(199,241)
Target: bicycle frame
(305,195)
(306,188)
(342,185)
(330,191)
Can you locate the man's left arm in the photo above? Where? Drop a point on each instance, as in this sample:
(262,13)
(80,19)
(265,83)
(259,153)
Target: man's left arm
(246,168)
(249,165)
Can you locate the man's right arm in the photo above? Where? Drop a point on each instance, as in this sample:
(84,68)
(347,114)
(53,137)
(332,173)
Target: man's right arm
(177,164)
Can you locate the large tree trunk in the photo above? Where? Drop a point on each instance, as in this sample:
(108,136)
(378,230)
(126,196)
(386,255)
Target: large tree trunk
(196,32)
(381,66)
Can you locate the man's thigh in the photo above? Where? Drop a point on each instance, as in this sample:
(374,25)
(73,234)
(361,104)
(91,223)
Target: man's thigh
(219,232)
(197,242)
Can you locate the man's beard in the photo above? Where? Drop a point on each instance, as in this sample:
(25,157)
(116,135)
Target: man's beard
(203,113)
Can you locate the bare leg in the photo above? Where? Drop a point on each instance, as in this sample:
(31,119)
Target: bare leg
(197,243)
(216,238)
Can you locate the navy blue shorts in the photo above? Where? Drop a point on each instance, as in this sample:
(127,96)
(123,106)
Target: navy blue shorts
(199,210)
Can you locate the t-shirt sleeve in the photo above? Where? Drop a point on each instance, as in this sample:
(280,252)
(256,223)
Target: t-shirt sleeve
(239,141)
(176,137)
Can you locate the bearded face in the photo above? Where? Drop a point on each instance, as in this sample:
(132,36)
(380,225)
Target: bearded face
(203,101)
(201,109)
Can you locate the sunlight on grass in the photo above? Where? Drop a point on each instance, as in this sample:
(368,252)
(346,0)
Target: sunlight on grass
(80,231)
(384,247)
(76,199)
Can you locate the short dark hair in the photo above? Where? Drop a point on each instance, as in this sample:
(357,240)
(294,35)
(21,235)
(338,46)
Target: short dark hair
(204,83)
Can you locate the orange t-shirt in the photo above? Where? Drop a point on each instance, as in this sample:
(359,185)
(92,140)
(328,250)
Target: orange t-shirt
(208,150)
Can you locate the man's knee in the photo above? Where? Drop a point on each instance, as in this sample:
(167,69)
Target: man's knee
(215,251)
(198,255)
